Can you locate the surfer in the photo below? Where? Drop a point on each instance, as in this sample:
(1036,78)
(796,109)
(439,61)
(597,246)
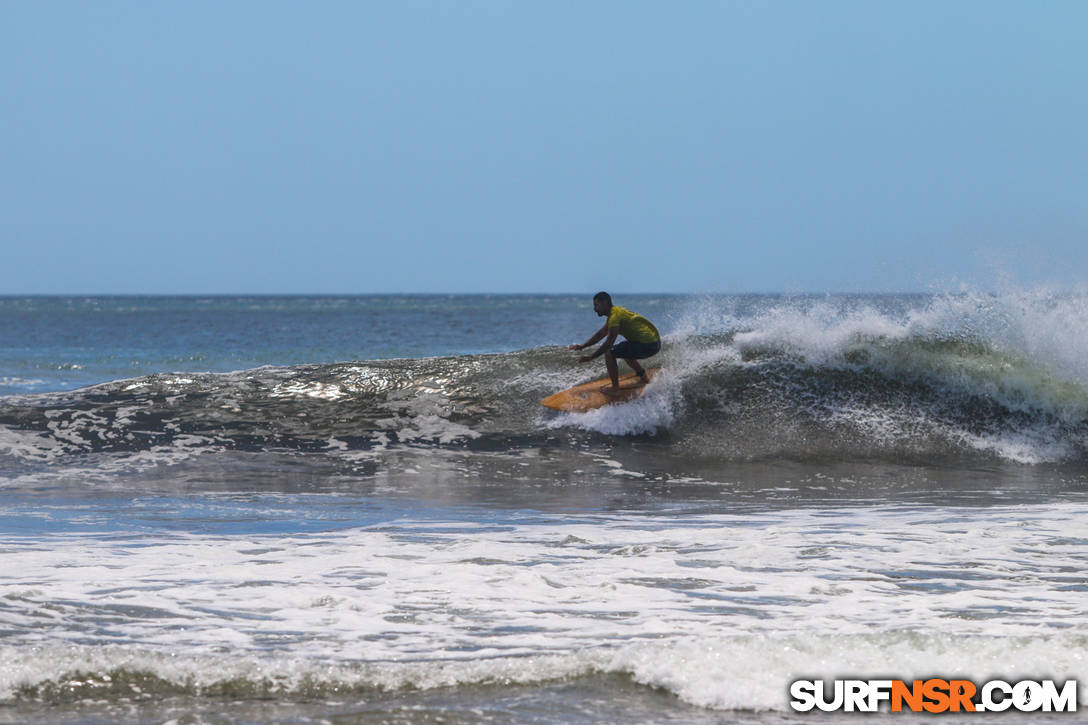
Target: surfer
(641,340)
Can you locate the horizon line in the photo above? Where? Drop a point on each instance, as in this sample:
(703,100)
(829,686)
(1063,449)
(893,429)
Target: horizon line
(10,295)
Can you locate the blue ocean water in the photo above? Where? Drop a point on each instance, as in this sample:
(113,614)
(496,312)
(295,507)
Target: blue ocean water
(354,509)
(58,343)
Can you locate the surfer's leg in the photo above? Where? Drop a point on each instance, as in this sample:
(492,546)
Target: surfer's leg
(613,369)
(632,352)
(633,364)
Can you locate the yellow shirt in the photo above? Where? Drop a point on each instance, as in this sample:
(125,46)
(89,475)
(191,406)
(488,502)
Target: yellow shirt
(635,328)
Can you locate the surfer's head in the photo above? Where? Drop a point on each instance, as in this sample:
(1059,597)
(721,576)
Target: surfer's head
(602,303)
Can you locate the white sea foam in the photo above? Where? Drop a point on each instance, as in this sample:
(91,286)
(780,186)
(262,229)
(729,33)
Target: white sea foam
(425,417)
(310,389)
(1050,333)
(751,672)
(29,445)
(20,384)
(719,609)
(1047,329)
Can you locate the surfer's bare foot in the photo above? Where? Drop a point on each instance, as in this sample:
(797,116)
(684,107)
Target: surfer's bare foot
(609,390)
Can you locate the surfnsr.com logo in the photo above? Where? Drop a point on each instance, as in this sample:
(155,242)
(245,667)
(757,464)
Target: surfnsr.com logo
(933,695)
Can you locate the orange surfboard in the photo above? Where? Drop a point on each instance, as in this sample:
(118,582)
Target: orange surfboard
(588,396)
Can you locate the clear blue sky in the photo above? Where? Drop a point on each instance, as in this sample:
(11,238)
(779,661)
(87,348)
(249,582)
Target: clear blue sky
(358,147)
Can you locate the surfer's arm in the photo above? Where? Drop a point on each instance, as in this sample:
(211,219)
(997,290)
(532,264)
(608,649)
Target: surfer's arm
(596,336)
(612,333)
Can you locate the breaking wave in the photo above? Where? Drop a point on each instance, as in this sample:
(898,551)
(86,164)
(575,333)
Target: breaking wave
(946,378)
(724,673)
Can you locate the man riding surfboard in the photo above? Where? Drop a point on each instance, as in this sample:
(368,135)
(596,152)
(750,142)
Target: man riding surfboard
(642,340)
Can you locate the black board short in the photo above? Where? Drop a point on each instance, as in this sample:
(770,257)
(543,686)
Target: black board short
(628,350)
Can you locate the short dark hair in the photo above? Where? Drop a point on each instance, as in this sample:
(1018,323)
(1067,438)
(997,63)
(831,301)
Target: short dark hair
(603,296)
